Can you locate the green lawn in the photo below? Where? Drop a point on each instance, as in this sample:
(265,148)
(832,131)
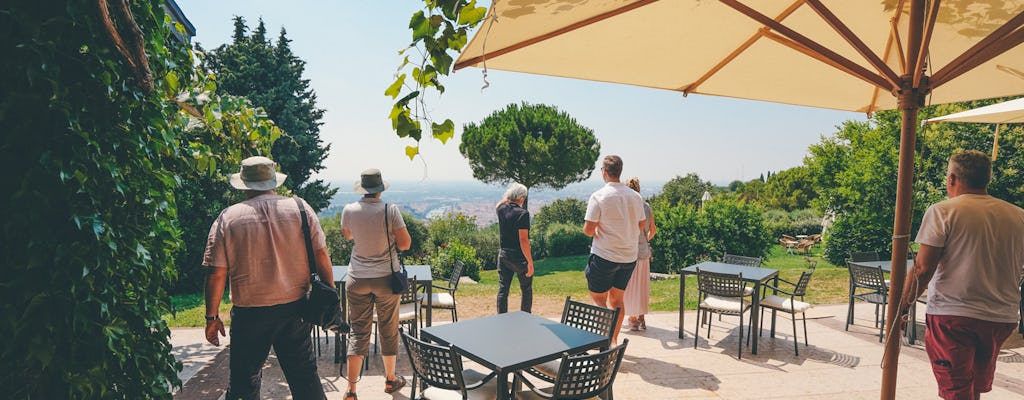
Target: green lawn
(563,276)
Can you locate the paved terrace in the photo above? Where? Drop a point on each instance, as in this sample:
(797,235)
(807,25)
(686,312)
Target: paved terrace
(658,365)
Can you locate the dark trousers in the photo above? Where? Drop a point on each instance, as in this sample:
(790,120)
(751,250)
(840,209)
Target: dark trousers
(508,267)
(254,330)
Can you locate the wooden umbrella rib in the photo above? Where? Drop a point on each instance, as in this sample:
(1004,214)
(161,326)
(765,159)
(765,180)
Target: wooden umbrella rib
(854,41)
(923,51)
(785,41)
(1013,24)
(847,65)
(992,51)
(739,50)
(566,29)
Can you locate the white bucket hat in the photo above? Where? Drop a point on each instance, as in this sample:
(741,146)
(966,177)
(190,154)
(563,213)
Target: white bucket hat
(257,173)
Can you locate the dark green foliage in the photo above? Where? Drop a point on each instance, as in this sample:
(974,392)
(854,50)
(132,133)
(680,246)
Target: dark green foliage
(270,76)
(564,211)
(686,190)
(686,234)
(88,223)
(789,189)
(566,240)
(443,260)
(419,234)
(535,145)
(799,222)
(449,227)
(679,242)
(735,228)
(487,243)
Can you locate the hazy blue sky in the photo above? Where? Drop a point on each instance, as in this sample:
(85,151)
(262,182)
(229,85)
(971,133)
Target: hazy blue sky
(351,52)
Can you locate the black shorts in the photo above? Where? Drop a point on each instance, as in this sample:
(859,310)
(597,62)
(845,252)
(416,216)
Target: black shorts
(602,274)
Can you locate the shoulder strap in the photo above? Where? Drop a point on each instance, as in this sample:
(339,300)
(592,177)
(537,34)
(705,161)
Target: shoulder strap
(305,234)
(387,235)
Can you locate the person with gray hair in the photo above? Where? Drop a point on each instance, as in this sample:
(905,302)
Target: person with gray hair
(972,252)
(515,257)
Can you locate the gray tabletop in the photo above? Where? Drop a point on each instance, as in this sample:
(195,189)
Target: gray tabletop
(513,341)
(420,273)
(751,274)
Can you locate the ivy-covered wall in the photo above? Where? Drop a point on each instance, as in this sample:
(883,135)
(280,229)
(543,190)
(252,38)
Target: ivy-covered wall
(88,155)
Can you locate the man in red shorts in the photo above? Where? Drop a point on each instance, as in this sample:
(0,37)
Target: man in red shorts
(971,259)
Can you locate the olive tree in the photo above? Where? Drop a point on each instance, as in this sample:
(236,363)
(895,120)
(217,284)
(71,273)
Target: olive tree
(535,145)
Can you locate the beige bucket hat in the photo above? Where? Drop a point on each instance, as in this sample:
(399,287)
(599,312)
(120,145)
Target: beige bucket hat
(257,173)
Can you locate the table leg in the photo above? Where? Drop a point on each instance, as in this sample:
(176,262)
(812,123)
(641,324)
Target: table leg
(755,308)
(430,303)
(682,302)
(775,282)
(503,389)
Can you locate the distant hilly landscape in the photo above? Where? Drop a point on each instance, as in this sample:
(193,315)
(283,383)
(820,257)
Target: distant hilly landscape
(424,199)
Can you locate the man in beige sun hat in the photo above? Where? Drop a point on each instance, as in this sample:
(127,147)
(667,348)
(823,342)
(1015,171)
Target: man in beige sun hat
(259,244)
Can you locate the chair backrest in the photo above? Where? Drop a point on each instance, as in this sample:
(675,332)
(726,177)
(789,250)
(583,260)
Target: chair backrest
(722,285)
(867,277)
(589,317)
(410,295)
(586,375)
(789,238)
(453,279)
(436,365)
(801,285)
(864,256)
(741,260)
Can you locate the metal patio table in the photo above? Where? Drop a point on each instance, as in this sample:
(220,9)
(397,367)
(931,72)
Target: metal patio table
(755,275)
(418,273)
(509,342)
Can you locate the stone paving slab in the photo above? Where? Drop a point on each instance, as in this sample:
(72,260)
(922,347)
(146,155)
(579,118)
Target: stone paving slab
(838,364)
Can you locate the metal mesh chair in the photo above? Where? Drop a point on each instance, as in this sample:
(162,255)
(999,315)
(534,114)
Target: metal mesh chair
(440,368)
(446,300)
(722,294)
(588,317)
(789,303)
(873,280)
(741,260)
(864,256)
(583,376)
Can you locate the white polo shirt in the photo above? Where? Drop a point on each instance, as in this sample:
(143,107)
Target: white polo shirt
(982,259)
(617,210)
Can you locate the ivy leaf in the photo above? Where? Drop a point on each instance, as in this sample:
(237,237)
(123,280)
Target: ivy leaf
(421,27)
(470,15)
(443,131)
(396,87)
(412,151)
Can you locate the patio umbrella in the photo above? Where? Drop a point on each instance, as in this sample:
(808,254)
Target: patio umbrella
(839,54)
(1007,112)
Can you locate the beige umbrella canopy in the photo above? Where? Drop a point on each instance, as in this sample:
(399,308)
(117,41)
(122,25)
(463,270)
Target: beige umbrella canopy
(841,54)
(1007,112)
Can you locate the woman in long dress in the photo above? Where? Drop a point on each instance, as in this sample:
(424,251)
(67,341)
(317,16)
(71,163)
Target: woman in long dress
(638,292)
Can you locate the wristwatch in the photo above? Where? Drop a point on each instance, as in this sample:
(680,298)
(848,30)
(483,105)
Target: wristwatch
(213,318)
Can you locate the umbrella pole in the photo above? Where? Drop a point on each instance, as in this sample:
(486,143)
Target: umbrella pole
(995,143)
(909,103)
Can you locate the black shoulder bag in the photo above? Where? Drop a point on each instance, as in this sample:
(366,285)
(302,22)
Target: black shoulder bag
(400,278)
(322,304)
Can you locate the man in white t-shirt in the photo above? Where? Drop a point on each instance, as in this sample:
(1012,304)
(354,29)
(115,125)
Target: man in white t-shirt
(615,216)
(971,259)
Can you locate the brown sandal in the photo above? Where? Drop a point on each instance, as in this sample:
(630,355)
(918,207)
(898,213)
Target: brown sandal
(351,395)
(395,385)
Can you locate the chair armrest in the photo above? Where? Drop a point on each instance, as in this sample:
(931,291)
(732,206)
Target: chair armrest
(766,286)
(448,288)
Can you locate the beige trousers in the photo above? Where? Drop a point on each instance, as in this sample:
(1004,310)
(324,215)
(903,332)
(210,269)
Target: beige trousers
(363,295)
